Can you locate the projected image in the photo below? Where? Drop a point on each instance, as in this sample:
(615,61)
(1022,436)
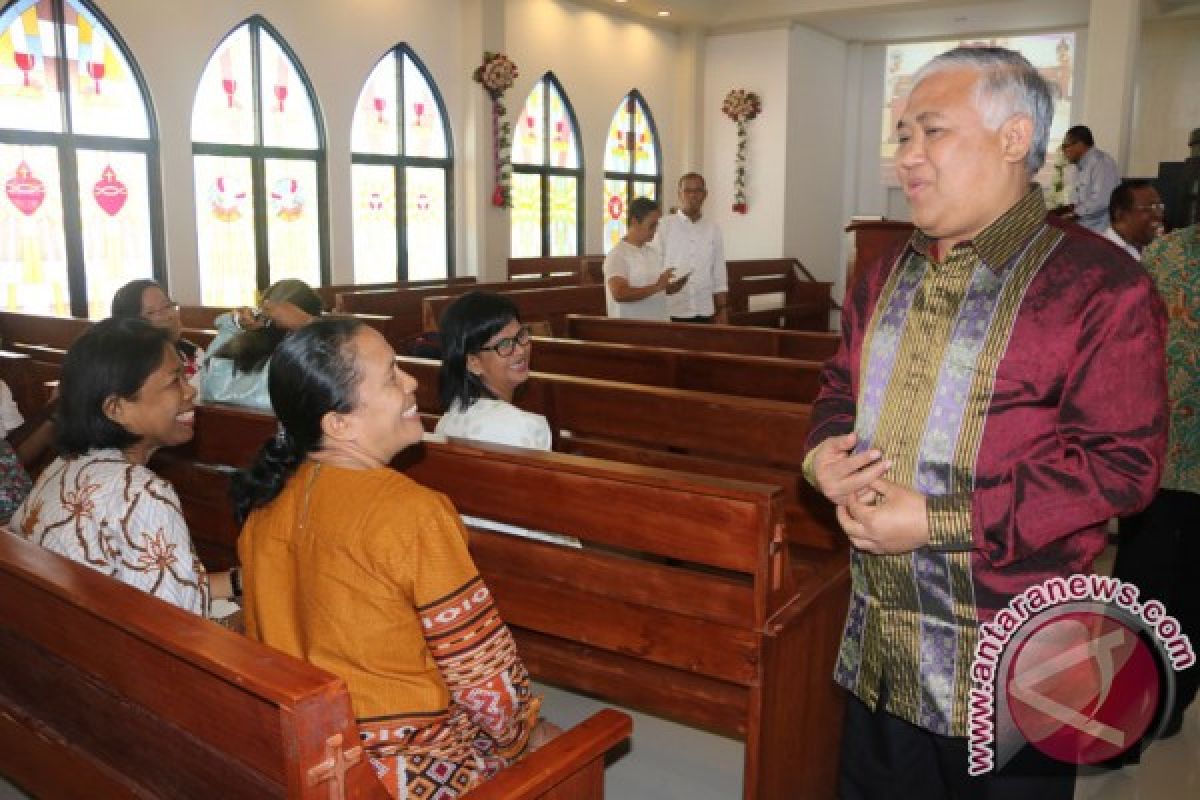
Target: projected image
(1052,53)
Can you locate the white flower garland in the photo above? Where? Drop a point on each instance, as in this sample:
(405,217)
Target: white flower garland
(497,74)
(741,106)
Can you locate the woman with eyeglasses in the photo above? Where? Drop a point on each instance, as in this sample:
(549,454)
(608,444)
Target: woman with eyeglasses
(147,300)
(485,358)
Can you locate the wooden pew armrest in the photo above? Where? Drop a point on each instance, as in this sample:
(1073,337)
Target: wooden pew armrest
(541,771)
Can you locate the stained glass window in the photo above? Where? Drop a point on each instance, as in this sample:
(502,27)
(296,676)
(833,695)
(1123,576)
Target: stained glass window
(67,253)
(258,159)
(402,172)
(547,175)
(631,164)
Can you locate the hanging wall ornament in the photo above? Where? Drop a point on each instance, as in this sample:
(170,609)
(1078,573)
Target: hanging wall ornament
(741,106)
(497,74)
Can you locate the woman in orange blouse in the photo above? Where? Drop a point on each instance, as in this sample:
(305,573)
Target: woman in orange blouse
(353,567)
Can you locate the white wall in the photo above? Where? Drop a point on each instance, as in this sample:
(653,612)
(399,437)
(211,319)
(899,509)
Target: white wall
(758,62)
(817,147)
(1167,97)
(597,58)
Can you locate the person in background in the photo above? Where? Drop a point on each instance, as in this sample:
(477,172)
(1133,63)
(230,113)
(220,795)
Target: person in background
(1136,212)
(147,299)
(692,246)
(1095,178)
(1159,549)
(353,567)
(236,369)
(485,359)
(635,284)
(999,394)
(123,395)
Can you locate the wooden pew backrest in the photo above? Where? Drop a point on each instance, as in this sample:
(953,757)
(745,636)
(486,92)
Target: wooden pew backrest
(548,305)
(804,345)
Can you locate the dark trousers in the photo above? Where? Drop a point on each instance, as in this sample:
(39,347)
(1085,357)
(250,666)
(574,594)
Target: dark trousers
(886,758)
(1159,552)
(697,320)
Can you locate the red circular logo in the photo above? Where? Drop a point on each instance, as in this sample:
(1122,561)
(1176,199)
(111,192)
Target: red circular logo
(1083,687)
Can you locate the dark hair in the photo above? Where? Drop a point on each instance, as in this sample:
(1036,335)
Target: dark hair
(249,350)
(641,207)
(1080,133)
(127,301)
(1121,200)
(113,358)
(313,372)
(465,327)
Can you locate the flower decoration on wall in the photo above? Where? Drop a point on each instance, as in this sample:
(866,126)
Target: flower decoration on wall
(497,74)
(741,106)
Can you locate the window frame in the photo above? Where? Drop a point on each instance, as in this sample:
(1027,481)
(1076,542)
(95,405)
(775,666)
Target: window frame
(400,163)
(544,171)
(631,177)
(67,144)
(258,153)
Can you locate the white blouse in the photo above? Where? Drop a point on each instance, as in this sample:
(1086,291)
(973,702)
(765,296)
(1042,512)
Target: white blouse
(488,420)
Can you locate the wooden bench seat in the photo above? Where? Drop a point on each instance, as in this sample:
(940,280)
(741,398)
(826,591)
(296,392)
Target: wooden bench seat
(786,379)
(108,692)
(803,345)
(544,306)
(684,600)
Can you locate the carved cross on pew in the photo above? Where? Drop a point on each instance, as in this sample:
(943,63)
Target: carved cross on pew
(333,767)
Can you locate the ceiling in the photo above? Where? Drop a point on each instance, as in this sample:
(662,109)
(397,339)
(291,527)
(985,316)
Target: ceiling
(881,20)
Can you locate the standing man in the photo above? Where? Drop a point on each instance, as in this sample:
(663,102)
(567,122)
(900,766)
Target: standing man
(998,395)
(693,247)
(1095,179)
(1136,212)
(1159,549)
(635,284)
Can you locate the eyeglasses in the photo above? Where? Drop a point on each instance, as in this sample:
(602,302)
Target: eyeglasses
(1158,208)
(505,347)
(162,311)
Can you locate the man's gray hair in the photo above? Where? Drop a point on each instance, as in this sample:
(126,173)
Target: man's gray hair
(1008,84)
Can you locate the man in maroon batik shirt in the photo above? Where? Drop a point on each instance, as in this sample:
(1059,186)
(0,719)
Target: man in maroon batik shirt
(998,396)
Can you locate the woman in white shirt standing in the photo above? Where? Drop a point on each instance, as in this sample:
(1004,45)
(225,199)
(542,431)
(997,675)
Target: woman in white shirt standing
(485,358)
(635,283)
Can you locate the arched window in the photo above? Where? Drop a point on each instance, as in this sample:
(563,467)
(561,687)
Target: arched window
(258,151)
(413,239)
(82,207)
(547,175)
(632,164)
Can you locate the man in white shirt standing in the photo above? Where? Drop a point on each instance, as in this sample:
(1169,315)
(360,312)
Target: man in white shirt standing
(694,248)
(635,284)
(1136,211)
(1095,179)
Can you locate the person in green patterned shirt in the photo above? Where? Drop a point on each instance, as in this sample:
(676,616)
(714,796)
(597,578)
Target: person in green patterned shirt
(1159,549)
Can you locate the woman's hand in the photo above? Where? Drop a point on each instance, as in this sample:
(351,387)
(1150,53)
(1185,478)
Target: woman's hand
(286,315)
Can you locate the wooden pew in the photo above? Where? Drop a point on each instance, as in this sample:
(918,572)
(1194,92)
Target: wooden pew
(806,303)
(874,238)
(525,268)
(546,306)
(404,305)
(684,600)
(785,379)
(106,691)
(803,345)
(329,293)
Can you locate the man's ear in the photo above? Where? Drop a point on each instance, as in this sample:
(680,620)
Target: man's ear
(336,426)
(1016,136)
